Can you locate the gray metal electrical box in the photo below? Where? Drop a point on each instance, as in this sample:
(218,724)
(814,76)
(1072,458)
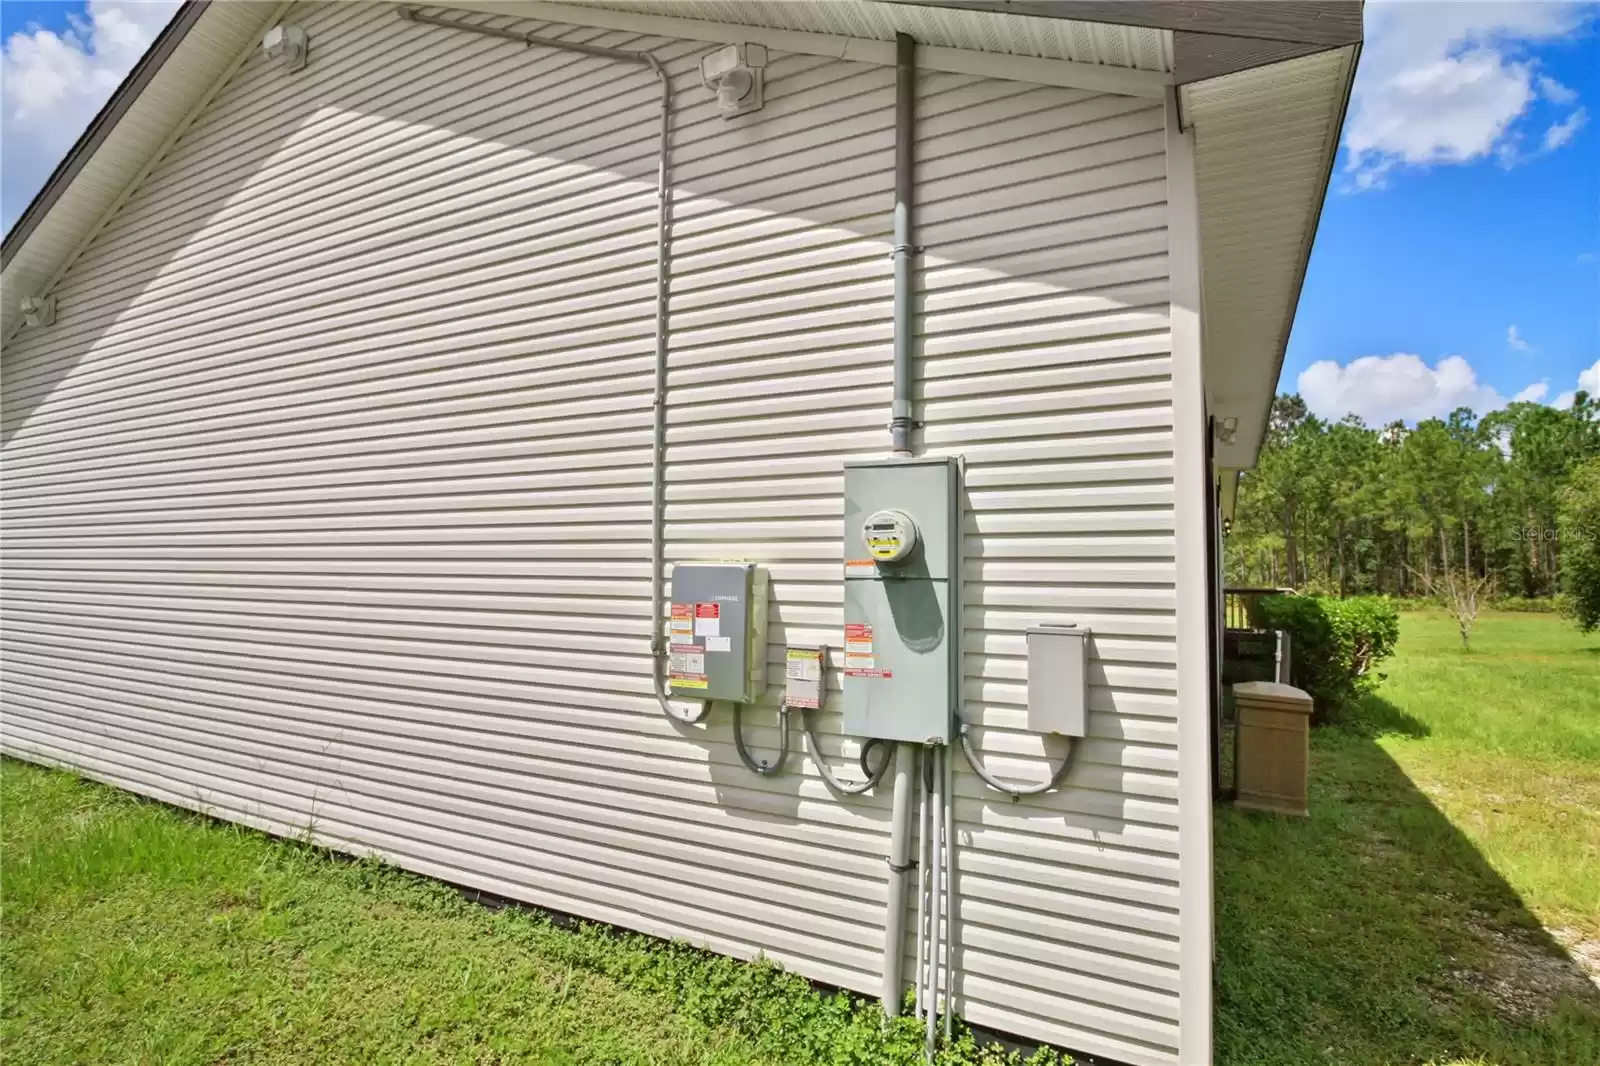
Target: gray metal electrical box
(717,635)
(1058,684)
(902,598)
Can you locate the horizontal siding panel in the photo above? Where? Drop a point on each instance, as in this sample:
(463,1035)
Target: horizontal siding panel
(327,499)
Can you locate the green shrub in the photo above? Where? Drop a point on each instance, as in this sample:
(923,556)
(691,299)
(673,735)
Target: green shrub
(1334,644)
(1580,545)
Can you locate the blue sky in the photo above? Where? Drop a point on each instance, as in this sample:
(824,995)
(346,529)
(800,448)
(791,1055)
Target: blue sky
(1458,259)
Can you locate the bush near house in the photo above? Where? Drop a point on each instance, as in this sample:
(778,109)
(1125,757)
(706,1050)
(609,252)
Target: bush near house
(1580,545)
(1335,644)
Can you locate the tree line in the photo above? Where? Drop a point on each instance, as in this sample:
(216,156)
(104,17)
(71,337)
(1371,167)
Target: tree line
(1345,508)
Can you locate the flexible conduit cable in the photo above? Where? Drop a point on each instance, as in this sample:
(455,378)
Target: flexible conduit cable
(775,767)
(1016,792)
(814,749)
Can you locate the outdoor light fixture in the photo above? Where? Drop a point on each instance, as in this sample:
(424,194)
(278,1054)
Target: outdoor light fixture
(1227,429)
(733,72)
(287,45)
(39,310)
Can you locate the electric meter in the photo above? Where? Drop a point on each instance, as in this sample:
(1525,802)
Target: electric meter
(902,598)
(890,536)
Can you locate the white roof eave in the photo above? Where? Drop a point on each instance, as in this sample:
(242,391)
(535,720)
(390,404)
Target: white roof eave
(1265,141)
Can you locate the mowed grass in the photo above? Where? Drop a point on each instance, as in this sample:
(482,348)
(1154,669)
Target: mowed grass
(1453,849)
(135,933)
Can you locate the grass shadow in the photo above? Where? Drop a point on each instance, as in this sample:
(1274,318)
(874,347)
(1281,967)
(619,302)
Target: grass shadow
(1376,717)
(1374,931)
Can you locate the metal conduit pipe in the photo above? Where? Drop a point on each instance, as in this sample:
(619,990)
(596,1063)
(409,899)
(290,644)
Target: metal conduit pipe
(924,818)
(949,889)
(935,899)
(658,400)
(905,131)
(894,924)
(900,424)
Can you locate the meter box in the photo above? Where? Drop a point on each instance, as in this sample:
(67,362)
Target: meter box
(717,634)
(1058,680)
(902,569)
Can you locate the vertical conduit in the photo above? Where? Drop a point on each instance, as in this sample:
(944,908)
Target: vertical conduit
(894,924)
(658,398)
(905,130)
(900,424)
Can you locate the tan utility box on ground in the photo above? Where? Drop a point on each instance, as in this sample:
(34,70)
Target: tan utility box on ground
(1274,759)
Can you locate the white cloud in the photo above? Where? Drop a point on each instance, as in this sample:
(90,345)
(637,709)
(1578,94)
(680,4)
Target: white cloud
(1516,342)
(1447,83)
(1588,381)
(1563,131)
(1533,393)
(1586,258)
(52,84)
(1555,92)
(1383,388)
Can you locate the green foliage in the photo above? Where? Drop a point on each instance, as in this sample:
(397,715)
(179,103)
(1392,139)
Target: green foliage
(1343,508)
(135,932)
(1580,545)
(1335,644)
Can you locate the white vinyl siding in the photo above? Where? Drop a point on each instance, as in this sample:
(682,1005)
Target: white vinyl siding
(326,500)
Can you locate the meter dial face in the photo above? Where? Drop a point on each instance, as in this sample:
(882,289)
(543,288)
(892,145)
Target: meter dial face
(890,536)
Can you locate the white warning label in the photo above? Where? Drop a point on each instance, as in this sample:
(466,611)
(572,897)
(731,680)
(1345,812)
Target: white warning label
(803,673)
(688,659)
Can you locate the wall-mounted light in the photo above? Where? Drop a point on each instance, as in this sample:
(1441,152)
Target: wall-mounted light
(1227,429)
(287,46)
(733,72)
(39,310)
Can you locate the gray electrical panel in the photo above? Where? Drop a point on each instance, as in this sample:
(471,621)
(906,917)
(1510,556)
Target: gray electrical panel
(902,598)
(1058,685)
(717,631)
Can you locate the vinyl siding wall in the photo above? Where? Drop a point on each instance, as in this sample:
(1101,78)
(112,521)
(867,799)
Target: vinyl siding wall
(326,500)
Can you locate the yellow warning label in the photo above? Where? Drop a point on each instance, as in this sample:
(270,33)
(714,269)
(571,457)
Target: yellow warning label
(683,682)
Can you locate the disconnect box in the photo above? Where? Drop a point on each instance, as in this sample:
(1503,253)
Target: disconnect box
(902,614)
(1058,684)
(717,633)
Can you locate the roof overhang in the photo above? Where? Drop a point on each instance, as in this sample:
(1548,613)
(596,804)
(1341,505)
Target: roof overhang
(1263,85)
(173,80)
(1265,141)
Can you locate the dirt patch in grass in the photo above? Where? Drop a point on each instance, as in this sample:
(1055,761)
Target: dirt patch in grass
(1585,952)
(1524,980)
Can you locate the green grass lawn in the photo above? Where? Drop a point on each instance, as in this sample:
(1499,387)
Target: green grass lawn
(136,933)
(1454,839)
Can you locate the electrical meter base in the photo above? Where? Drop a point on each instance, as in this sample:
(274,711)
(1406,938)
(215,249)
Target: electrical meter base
(902,612)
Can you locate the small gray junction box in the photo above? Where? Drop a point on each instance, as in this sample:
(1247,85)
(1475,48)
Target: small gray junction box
(1058,685)
(717,632)
(902,570)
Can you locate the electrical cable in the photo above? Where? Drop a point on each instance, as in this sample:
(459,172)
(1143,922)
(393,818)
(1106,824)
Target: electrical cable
(1016,792)
(815,750)
(775,767)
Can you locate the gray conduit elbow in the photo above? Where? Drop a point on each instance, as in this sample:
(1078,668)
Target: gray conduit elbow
(815,750)
(1016,792)
(775,767)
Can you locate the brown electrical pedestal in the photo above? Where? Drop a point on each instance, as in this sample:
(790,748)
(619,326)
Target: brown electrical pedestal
(1274,752)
